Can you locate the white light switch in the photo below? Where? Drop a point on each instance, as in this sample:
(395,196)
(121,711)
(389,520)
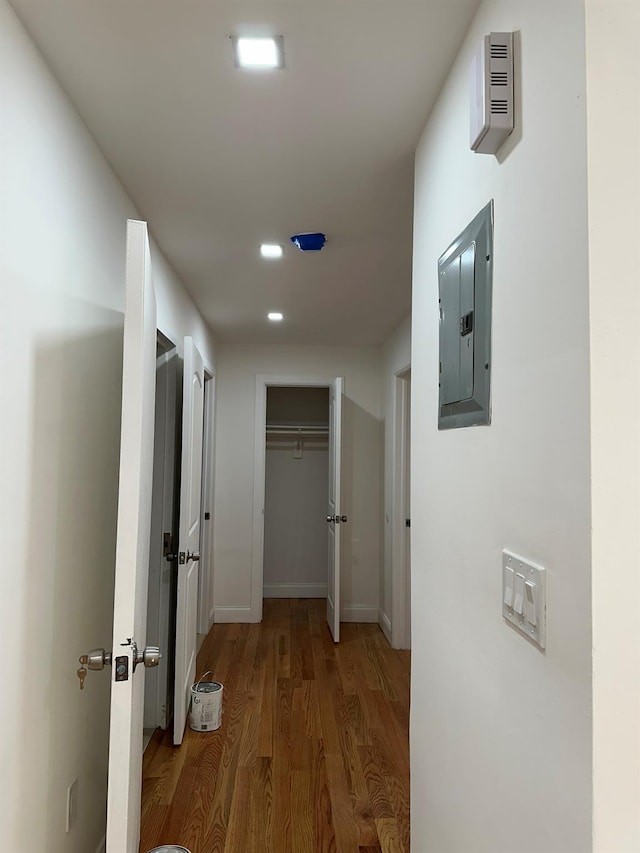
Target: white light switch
(509,575)
(519,597)
(524,603)
(530,602)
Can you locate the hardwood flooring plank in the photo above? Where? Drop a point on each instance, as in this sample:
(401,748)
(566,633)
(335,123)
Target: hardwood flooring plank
(238,827)
(302,824)
(344,824)
(324,836)
(389,837)
(260,815)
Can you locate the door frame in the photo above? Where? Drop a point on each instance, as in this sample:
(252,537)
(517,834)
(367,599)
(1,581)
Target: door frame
(264,381)
(205,581)
(400,581)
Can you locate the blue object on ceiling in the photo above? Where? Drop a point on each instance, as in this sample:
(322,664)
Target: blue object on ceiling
(309,242)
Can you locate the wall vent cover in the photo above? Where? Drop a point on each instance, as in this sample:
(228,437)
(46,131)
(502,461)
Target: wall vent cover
(492,93)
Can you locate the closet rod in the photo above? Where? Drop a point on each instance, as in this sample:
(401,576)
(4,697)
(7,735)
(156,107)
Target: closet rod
(297,430)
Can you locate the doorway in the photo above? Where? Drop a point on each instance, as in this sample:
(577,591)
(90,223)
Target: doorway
(205,575)
(159,688)
(161,598)
(296,492)
(401,513)
(332,516)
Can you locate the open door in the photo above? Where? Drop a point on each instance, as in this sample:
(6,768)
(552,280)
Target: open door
(334,517)
(132,547)
(189,534)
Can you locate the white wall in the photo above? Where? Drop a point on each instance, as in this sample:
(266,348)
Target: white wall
(62,226)
(396,357)
(501,733)
(613,112)
(237,367)
(295,527)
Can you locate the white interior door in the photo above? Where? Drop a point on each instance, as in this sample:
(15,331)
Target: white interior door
(189,534)
(132,547)
(334,517)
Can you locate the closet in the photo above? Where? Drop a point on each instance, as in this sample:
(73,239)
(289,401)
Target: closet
(296,492)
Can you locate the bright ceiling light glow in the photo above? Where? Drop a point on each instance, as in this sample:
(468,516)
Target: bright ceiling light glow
(271,250)
(258,52)
(276,316)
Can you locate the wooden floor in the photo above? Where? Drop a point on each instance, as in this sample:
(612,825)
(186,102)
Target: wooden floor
(313,751)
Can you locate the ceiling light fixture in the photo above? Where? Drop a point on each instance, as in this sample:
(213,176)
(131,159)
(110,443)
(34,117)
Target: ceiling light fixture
(276,316)
(258,52)
(271,250)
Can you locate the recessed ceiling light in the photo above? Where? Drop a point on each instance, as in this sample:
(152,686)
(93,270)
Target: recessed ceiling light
(271,250)
(276,316)
(258,52)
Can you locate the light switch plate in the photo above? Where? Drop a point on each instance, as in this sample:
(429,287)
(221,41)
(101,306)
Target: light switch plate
(536,575)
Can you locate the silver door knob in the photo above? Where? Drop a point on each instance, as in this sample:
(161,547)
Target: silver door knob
(150,656)
(193,555)
(344,519)
(330,518)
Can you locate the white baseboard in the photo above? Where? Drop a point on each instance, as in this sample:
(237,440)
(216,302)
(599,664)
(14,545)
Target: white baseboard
(359,613)
(295,590)
(102,847)
(356,613)
(232,614)
(385,624)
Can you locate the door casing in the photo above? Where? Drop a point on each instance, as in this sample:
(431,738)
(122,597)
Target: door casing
(263,382)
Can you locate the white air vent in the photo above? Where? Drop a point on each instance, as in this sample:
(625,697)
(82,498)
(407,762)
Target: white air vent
(492,93)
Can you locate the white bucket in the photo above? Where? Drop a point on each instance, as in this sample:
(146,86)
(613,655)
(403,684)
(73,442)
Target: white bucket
(205,709)
(170,848)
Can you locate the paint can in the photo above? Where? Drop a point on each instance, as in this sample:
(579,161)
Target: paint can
(205,709)
(170,848)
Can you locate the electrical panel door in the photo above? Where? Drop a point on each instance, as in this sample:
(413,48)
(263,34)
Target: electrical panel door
(465,275)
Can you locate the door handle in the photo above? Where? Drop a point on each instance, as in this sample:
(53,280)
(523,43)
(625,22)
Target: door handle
(344,519)
(330,518)
(97,659)
(193,555)
(149,656)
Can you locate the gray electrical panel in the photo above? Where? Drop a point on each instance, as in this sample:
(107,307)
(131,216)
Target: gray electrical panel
(465,275)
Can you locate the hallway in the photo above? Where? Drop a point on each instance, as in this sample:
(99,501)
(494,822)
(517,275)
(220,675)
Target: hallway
(313,750)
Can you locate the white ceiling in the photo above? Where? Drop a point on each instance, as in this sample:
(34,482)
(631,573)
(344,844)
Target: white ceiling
(218,159)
